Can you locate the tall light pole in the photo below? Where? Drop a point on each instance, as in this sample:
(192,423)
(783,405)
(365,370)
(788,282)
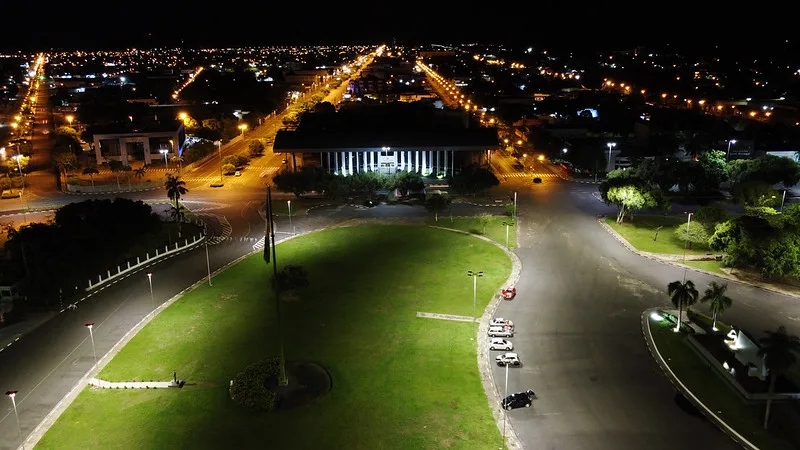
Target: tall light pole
(289,204)
(475,275)
(783,200)
(514,217)
(728,153)
(165,152)
(507,224)
(11,395)
(208,261)
(150,280)
(686,244)
(219,155)
(610,146)
(90,325)
(505,411)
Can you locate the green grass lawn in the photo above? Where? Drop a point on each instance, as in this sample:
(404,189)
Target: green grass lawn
(712,391)
(710,266)
(640,232)
(495,230)
(399,382)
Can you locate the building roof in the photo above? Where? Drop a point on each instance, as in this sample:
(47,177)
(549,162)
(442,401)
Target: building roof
(136,128)
(464,139)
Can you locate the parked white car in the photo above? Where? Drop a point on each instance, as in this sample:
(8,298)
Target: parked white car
(500,322)
(500,332)
(507,359)
(500,344)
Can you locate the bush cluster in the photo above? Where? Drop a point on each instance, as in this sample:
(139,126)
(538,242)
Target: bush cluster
(249,387)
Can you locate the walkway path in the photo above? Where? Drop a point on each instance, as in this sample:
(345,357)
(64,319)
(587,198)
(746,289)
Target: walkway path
(102,384)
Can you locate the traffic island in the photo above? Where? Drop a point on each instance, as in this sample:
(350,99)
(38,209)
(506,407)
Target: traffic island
(708,388)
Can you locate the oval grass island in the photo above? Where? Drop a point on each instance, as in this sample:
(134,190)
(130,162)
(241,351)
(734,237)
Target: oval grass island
(397,381)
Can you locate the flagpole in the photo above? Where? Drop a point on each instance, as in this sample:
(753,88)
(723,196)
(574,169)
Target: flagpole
(269,245)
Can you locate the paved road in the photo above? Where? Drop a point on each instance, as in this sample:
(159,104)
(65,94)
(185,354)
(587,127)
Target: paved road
(578,310)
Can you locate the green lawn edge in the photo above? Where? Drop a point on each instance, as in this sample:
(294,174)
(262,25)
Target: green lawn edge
(495,230)
(417,409)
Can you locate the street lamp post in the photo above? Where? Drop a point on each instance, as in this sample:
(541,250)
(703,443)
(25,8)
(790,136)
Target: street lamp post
(90,325)
(219,155)
(150,280)
(783,200)
(507,224)
(289,204)
(11,395)
(728,153)
(474,275)
(208,261)
(165,152)
(610,146)
(514,217)
(505,411)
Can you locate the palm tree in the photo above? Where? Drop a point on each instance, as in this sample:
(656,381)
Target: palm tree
(779,350)
(139,173)
(175,189)
(682,293)
(179,160)
(718,302)
(116,167)
(91,171)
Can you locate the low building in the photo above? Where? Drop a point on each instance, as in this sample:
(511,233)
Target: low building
(138,142)
(429,152)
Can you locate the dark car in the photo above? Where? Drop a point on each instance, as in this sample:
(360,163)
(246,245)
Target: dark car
(519,400)
(537,180)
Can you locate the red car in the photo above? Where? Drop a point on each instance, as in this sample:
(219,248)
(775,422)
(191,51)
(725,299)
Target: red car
(509,293)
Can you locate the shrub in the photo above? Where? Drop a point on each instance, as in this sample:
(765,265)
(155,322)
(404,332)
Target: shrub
(249,386)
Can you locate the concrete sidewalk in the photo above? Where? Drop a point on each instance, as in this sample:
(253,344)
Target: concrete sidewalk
(102,384)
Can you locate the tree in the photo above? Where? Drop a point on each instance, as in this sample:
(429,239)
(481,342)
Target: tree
(140,172)
(67,137)
(484,219)
(407,181)
(682,293)
(228,168)
(255,148)
(710,216)
(628,194)
(437,203)
(713,171)
(292,277)
(175,189)
(717,301)
(178,159)
(691,233)
(779,350)
(754,193)
(128,170)
(115,167)
(91,171)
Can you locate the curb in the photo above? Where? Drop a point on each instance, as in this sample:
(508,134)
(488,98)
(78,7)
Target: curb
(651,256)
(67,192)
(676,382)
(484,360)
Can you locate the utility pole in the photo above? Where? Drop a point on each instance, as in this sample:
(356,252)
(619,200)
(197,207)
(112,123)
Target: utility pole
(269,246)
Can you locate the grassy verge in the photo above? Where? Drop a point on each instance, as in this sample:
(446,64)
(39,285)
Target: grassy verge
(495,230)
(710,266)
(696,374)
(399,382)
(641,231)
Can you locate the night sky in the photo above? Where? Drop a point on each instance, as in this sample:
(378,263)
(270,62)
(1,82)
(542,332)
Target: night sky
(569,24)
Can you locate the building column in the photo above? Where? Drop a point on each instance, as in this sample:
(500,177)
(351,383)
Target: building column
(97,154)
(350,162)
(123,152)
(408,161)
(445,162)
(452,162)
(416,162)
(146,145)
(424,163)
(402,161)
(329,162)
